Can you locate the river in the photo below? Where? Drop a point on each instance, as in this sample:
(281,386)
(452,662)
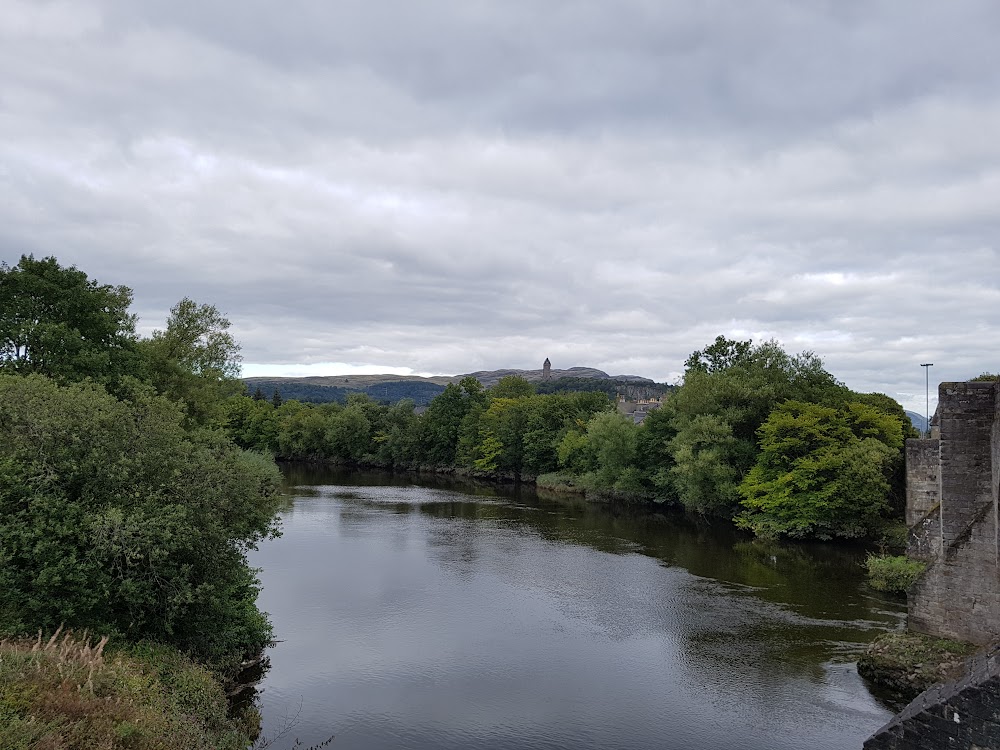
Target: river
(437,616)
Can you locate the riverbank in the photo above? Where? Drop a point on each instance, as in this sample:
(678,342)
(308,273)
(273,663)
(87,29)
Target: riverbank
(560,483)
(904,664)
(73,693)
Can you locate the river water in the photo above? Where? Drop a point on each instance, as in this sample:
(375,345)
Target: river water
(438,617)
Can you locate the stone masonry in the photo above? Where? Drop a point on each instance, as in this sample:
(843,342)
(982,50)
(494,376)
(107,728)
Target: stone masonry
(963,714)
(952,494)
(951,510)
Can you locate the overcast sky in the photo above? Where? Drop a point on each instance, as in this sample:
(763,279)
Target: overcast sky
(447,186)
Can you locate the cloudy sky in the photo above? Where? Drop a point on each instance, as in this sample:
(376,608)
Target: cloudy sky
(442,186)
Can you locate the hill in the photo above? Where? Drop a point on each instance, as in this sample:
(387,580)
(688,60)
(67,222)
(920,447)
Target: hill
(917,420)
(392,388)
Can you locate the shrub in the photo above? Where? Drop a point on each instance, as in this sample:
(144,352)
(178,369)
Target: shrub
(114,518)
(892,572)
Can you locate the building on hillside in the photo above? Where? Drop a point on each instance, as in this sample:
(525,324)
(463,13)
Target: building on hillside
(546,370)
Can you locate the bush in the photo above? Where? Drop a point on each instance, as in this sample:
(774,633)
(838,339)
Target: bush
(892,572)
(114,518)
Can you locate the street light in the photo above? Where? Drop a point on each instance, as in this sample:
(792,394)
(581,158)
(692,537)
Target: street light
(927,396)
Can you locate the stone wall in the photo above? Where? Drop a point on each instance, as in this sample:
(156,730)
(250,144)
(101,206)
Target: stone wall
(923,498)
(959,594)
(963,714)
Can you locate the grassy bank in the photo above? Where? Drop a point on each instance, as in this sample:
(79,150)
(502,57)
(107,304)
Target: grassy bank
(70,692)
(905,664)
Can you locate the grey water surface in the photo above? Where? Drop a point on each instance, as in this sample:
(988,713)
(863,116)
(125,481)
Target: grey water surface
(443,617)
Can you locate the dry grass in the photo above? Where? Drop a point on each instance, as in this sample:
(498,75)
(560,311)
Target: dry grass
(64,693)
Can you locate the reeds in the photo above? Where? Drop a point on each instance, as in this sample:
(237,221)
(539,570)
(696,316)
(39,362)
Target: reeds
(71,656)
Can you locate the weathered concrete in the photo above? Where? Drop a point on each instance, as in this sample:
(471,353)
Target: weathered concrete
(952,505)
(963,714)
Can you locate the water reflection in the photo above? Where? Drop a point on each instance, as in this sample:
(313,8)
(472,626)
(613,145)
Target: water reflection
(427,617)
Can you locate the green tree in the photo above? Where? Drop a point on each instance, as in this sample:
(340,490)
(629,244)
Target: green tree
(441,425)
(708,464)
(729,389)
(654,454)
(252,423)
(56,321)
(395,440)
(821,471)
(512,386)
(195,361)
(722,354)
(349,430)
(114,517)
(302,431)
(612,438)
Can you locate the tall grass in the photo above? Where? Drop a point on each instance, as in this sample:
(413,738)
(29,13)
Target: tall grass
(66,693)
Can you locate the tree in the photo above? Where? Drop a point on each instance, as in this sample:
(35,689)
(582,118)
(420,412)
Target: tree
(113,517)
(708,464)
(512,386)
(441,425)
(198,341)
(720,355)
(56,321)
(252,423)
(195,360)
(349,430)
(612,438)
(736,385)
(821,471)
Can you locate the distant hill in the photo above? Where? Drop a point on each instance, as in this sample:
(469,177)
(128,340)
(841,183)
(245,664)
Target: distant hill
(392,388)
(421,390)
(917,420)
(490,378)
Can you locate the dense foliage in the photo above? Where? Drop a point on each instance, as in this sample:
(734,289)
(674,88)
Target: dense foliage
(821,471)
(123,507)
(752,433)
(57,322)
(301,389)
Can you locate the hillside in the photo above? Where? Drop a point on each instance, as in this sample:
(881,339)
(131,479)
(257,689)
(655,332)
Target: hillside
(392,388)
(917,420)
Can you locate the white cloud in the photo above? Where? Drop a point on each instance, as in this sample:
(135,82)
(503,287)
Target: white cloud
(451,188)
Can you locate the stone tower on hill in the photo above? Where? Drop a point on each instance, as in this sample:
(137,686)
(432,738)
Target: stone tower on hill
(546,370)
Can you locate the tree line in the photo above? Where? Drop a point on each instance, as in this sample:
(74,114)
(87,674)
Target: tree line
(125,508)
(768,439)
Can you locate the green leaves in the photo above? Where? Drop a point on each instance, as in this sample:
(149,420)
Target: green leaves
(57,322)
(112,516)
(821,471)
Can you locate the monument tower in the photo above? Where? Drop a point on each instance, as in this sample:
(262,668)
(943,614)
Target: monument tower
(546,370)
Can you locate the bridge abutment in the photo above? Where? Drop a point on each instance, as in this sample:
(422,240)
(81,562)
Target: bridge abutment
(952,514)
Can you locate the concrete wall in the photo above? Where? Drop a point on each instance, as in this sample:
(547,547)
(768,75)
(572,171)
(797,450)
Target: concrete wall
(959,594)
(963,714)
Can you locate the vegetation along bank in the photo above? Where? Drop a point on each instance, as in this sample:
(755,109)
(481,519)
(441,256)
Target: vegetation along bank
(136,473)
(126,512)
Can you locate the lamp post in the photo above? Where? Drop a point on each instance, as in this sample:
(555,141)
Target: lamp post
(927,398)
